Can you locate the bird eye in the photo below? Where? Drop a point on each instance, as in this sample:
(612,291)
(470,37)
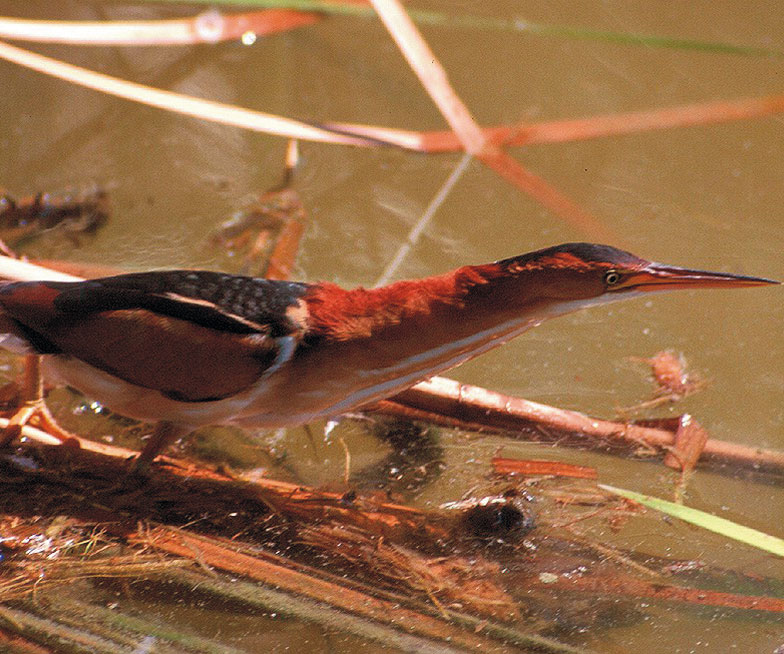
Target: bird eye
(612,277)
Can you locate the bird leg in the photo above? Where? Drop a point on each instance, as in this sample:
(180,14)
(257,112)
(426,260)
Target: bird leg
(33,407)
(164,434)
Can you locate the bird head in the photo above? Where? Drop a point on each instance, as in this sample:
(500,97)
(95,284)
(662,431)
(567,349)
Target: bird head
(574,275)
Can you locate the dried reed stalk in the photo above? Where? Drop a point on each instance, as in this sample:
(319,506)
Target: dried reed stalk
(207,27)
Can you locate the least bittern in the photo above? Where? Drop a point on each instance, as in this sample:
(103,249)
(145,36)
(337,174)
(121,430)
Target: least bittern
(187,348)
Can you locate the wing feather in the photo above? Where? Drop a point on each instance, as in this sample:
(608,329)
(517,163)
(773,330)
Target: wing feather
(192,335)
(233,303)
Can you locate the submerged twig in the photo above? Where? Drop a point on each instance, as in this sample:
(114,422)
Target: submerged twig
(505,466)
(433,77)
(626,585)
(424,220)
(272,225)
(479,407)
(70,211)
(50,633)
(581,129)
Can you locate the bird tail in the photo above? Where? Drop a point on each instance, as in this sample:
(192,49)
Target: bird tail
(12,336)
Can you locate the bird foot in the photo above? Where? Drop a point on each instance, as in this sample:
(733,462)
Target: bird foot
(32,408)
(163,435)
(35,412)
(138,469)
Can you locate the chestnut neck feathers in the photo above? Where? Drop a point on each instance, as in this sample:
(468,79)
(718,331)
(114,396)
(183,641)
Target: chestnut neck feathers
(339,314)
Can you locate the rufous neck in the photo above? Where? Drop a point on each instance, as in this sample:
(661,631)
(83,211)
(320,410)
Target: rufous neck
(339,314)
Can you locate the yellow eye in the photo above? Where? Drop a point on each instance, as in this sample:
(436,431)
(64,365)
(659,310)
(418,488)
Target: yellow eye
(612,277)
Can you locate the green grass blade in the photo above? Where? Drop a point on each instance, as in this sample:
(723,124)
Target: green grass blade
(435,18)
(699,518)
(648,40)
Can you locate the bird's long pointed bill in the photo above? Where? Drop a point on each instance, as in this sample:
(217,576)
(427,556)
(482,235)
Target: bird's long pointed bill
(660,277)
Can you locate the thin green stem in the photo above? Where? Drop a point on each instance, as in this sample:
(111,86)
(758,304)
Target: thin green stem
(440,19)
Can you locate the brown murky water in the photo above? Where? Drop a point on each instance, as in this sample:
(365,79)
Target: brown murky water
(705,197)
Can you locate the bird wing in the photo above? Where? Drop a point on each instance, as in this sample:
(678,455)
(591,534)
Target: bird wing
(234,303)
(192,335)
